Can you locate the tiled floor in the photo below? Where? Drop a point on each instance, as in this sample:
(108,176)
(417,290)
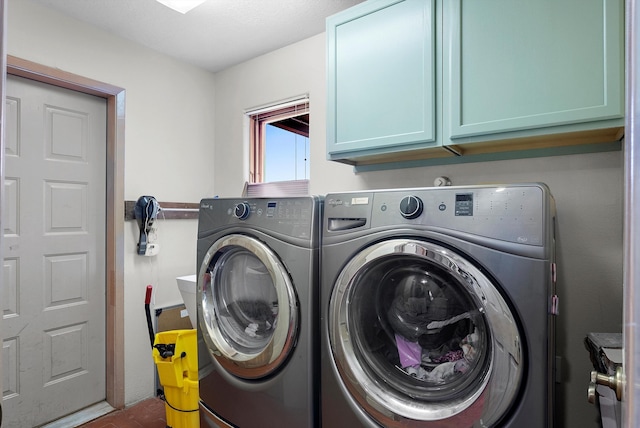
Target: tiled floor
(149,413)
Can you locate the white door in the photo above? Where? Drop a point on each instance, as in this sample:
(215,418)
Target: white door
(53,360)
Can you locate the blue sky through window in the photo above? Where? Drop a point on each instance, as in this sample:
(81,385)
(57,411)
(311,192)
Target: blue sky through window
(286,155)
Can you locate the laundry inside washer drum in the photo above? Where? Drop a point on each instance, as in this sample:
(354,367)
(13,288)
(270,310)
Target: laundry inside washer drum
(256,317)
(420,302)
(433,328)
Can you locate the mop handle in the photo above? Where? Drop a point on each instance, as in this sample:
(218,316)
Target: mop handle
(147,300)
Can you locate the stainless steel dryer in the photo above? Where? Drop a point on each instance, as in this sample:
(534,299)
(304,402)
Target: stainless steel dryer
(437,307)
(257,294)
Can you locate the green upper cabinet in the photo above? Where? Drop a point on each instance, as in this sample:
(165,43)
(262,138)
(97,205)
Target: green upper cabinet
(381,78)
(517,68)
(453,80)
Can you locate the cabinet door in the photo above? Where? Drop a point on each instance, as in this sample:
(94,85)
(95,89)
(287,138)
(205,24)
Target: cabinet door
(381,78)
(523,65)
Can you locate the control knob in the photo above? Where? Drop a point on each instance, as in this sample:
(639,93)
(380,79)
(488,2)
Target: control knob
(411,207)
(242,210)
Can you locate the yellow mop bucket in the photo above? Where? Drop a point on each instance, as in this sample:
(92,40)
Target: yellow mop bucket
(176,356)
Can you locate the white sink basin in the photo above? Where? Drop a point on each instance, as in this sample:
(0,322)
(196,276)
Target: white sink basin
(187,286)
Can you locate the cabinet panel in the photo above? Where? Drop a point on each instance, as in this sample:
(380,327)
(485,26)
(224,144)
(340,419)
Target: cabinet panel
(381,77)
(517,65)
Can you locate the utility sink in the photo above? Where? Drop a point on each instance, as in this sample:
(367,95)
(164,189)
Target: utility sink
(187,286)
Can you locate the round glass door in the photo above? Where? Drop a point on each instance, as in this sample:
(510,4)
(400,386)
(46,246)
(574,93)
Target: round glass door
(420,334)
(248,307)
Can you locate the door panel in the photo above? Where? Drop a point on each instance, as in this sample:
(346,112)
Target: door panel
(54,258)
(381,77)
(555,67)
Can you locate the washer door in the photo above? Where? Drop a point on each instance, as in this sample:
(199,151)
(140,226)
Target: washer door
(419,334)
(248,307)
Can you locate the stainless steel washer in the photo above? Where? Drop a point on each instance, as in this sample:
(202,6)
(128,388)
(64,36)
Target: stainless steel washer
(257,294)
(437,307)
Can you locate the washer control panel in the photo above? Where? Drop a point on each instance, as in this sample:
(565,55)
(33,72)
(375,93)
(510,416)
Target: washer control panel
(513,213)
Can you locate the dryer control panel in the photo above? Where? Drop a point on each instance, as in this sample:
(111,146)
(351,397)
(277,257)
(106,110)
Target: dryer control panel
(294,217)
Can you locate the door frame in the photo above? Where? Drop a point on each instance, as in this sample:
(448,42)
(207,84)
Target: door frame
(631,269)
(3,84)
(114,261)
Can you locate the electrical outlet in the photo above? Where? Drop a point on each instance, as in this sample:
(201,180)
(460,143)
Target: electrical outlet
(152,249)
(152,235)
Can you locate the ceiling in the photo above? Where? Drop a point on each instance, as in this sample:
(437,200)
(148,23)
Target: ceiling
(215,35)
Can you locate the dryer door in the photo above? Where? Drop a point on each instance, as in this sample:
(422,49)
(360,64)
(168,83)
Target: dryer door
(419,335)
(248,310)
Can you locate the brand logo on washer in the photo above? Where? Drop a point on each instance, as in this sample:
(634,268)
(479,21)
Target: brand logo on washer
(335,202)
(360,201)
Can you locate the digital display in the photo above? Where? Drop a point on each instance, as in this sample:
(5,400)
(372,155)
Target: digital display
(271,208)
(464,204)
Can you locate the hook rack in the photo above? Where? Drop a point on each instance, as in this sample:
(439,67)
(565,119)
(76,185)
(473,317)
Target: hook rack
(169,210)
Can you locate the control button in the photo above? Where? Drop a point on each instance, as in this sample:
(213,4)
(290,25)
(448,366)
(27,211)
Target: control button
(242,210)
(442,207)
(411,207)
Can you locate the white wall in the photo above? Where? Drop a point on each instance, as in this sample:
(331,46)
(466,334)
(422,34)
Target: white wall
(168,151)
(588,190)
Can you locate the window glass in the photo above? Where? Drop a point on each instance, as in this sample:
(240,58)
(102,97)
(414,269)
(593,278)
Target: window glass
(279,144)
(286,154)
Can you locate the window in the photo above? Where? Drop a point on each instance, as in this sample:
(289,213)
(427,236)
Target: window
(279,153)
